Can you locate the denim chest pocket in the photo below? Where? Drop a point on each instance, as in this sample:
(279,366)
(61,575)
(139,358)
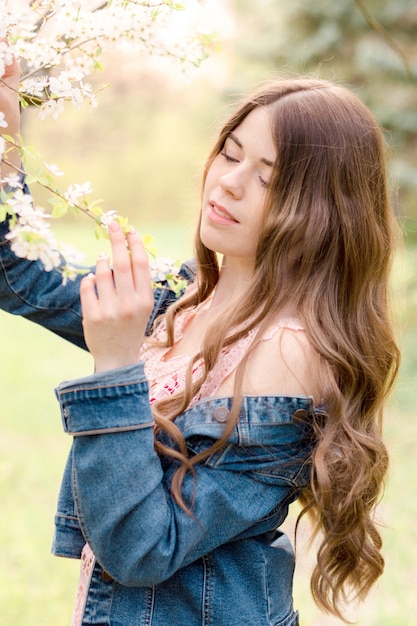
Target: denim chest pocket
(273,438)
(288,463)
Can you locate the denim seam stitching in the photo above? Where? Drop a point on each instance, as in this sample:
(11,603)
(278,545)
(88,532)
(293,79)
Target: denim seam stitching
(109,431)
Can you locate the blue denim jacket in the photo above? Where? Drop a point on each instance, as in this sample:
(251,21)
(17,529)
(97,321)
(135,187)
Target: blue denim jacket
(227,565)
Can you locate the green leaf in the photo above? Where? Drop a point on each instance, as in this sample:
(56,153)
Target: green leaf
(148,240)
(60,206)
(101,232)
(31,179)
(4,196)
(45,180)
(124,223)
(29,151)
(95,211)
(59,210)
(177,285)
(149,247)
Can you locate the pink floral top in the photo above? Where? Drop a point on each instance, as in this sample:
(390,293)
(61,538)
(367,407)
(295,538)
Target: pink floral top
(165,376)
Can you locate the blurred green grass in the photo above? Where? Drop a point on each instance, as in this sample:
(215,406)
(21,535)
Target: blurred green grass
(37,588)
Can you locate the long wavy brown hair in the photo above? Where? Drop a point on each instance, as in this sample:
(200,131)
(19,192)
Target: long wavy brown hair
(329,224)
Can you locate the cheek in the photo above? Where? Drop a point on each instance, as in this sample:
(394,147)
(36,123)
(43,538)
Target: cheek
(259,211)
(206,187)
(211,177)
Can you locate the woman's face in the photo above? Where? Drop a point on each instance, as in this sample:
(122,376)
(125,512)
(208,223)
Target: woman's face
(235,189)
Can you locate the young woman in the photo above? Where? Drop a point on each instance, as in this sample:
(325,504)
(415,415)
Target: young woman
(265,382)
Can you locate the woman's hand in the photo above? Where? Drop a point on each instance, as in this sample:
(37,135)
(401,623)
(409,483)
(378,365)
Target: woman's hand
(9,106)
(116,304)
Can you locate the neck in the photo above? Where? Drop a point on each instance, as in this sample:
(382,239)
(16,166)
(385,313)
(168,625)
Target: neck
(233,281)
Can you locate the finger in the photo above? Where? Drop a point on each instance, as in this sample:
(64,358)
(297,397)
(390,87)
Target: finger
(140,264)
(122,268)
(104,281)
(88,296)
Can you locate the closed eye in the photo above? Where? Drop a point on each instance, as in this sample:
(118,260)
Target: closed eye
(229,158)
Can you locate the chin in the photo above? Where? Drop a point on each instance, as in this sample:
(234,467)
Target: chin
(210,241)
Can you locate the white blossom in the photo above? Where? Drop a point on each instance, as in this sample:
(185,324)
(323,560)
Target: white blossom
(13,180)
(54,169)
(107,218)
(35,244)
(69,272)
(72,255)
(76,191)
(22,204)
(35,85)
(31,238)
(60,86)
(51,108)
(59,44)
(6,56)
(161,269)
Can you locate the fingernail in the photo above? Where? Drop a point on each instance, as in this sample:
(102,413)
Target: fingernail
(114,226)
(102,255)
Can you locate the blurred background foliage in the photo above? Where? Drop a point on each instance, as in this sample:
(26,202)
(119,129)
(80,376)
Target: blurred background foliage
(143,151)
(370,46)
(145,146)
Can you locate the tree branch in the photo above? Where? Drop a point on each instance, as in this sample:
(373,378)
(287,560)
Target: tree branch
(379,28)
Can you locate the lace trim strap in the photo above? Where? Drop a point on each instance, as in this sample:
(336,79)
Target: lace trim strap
(166,376)
(286,322)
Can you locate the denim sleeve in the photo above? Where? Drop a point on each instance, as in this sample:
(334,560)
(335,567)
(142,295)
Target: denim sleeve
(28,290)
(122,491)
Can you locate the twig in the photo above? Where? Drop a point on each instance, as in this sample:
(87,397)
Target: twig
(48,188)
(381,30)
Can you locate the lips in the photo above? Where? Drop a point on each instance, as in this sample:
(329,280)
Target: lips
(219,214)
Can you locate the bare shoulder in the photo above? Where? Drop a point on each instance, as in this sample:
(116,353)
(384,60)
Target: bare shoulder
(285,364)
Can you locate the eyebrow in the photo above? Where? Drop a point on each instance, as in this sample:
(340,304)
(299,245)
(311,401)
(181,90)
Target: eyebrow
(239,144)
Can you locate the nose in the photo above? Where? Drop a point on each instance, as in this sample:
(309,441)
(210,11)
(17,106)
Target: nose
(233,183)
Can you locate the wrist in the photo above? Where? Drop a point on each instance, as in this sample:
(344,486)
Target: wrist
(102,365)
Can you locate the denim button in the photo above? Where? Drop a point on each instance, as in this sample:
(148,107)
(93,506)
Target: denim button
(221,414)
(106,577)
